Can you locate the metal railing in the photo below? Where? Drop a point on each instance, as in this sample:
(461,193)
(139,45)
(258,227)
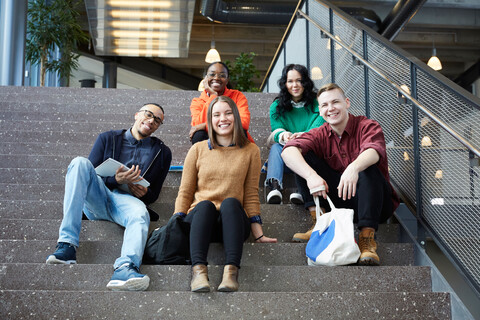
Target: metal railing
(430,123)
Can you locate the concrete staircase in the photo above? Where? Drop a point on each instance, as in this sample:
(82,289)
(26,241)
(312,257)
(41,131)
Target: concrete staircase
(42,129)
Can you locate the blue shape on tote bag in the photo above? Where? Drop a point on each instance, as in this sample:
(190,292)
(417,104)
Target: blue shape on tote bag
(320,241)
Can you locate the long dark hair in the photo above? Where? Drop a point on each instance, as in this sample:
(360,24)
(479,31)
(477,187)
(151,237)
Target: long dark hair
(285,99)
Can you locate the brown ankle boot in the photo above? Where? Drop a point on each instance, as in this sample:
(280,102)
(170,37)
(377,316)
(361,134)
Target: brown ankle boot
(200,279)
(304,237)
(230,279)
(368,248)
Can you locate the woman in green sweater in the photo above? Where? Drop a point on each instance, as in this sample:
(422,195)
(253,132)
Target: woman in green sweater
(219,194)
(293,112)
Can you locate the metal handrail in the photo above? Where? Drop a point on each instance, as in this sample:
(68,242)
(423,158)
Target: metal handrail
(407,95)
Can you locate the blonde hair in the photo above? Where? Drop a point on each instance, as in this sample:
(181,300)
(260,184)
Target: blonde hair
(328,87)
(239,136)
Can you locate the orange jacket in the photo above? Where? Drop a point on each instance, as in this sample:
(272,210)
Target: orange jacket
(199,108)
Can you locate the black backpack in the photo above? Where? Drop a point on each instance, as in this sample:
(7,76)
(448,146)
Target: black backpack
(169,244)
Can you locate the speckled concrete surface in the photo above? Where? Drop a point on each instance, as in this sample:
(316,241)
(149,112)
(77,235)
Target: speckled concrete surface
(239,305)
(106,251)
(251,278)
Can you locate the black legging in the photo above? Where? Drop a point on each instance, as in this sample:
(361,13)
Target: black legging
(207,224)
(372,202)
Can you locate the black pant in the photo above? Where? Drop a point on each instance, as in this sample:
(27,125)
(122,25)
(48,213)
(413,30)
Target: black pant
(207,224)
(373,199)
(199,135)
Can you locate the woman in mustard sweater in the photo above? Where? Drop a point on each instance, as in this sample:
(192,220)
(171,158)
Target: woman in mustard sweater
(219,194)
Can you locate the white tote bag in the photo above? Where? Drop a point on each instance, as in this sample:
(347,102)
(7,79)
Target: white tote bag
(332,242)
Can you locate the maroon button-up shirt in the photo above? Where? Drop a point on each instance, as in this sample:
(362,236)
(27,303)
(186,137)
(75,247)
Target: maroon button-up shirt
(360,134)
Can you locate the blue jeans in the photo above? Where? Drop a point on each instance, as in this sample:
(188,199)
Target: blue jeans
(276,166)
(86,191)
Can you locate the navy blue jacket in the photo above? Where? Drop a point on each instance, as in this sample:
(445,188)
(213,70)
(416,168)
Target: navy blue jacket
(109,144)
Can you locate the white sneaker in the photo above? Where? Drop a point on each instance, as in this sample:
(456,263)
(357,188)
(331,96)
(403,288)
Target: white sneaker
(296,198)
(274,197)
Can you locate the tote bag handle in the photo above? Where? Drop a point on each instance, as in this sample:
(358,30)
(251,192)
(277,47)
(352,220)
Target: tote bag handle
(316,199)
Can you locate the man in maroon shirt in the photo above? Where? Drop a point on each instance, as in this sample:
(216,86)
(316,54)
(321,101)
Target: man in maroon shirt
(348,153)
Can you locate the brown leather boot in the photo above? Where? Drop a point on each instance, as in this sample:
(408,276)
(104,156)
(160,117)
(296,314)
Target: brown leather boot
(304,237)
(368,248)
(200,279)
(230,279)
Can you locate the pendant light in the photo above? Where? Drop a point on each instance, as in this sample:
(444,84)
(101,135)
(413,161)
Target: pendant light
(317,73)
(212,54)
(434,62)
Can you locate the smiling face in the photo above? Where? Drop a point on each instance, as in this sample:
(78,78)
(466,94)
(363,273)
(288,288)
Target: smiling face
(223,120)
(294,85)
(217,77)
(333,108)
(144,126)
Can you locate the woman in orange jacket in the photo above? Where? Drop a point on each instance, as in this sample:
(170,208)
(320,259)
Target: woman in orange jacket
(215,84)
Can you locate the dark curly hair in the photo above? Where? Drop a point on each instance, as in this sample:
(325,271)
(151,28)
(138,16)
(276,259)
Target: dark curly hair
(285,99)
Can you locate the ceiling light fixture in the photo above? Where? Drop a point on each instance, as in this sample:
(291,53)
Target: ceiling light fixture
(140,24)
(139,34)
(212,54)
(135,14)
(434,62)
(140,4)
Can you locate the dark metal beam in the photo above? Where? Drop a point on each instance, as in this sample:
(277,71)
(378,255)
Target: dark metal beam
(471,75)
(400,15)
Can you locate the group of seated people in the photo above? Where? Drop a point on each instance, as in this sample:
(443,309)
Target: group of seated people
(313,136)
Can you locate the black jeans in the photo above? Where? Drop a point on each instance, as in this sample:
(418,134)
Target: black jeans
(207,225)
(373,199)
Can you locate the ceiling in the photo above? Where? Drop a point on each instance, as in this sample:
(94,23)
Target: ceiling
(454,25)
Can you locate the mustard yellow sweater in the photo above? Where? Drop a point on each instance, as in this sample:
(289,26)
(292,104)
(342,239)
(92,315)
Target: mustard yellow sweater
(220,173)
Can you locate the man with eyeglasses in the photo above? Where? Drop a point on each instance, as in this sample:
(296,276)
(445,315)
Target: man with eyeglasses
(101,198)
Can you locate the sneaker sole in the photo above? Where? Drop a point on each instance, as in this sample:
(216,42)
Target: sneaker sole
(133,284)
(296,201)
(274,197)
(53,260)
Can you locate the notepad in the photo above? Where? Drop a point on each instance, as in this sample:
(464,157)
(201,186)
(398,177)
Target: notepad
(109,167)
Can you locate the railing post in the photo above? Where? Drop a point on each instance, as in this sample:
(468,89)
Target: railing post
(332,51)
(307,31)
(421,232)
(365,73)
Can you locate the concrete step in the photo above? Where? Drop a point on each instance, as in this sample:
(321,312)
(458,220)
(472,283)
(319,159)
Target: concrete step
(216,305)
(177,128)
(108,96)
(259,134)
(275,225)
(275,254)
(51,157)
(52,209)
(257,107)
(57,176)
(251,278)
(53,191)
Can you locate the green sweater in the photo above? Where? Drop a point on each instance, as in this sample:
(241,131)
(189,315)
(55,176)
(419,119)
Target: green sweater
(299,119)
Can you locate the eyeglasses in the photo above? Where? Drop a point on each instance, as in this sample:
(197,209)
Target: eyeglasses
(217,75)
(149,115)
